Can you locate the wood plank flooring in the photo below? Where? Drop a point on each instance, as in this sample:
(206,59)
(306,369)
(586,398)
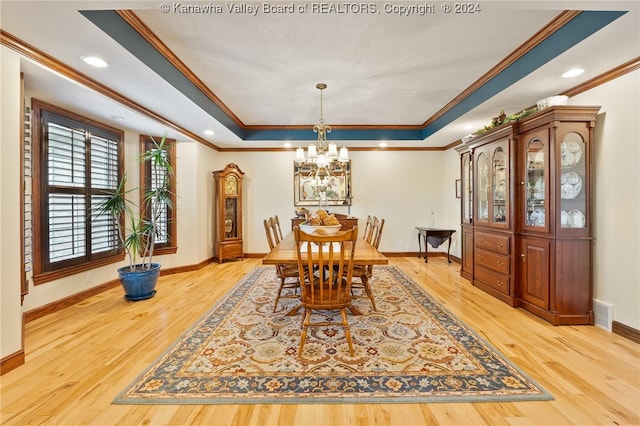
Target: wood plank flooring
(79,358)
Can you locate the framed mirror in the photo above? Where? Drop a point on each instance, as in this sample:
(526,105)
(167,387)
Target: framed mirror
(333,189)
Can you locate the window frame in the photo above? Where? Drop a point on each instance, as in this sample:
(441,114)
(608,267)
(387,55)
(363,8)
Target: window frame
(42,270)
(146,143)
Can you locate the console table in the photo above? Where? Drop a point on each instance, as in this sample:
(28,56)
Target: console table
(435,237)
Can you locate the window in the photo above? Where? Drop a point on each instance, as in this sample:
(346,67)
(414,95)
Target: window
(150,177)
(75,161)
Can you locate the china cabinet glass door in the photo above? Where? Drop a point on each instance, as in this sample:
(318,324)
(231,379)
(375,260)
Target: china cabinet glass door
(499,186)
(466,188)
(573,190)
(536,164)
(482,168)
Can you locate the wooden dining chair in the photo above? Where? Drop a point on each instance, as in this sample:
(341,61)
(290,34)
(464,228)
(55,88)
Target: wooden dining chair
(364,272)
(327,286)
(367,228)
(283,272)
(276,228)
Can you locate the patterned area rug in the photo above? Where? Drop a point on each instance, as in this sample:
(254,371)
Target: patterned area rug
(411,350)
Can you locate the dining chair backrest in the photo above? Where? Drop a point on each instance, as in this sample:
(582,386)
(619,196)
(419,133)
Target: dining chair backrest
(276,228)
(330,257)
(367,227)
(378,235)
(370,228)
(375,241)
(269,233)
(373,233)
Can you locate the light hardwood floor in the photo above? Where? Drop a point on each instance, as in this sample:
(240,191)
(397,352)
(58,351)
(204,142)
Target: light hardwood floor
(79,358)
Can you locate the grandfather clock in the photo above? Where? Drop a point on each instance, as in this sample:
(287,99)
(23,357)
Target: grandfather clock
(228,213)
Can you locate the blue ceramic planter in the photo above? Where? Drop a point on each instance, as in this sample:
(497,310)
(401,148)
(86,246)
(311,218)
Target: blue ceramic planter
(141,283)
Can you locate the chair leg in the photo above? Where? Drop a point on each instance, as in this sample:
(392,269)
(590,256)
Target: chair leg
(306,317)
(347,330)
(279,292)
(367,289)
(275,305)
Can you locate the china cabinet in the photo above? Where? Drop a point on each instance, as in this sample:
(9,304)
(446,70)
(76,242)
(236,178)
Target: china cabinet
(228,213)
(530,219)
(555,195)
(493,234)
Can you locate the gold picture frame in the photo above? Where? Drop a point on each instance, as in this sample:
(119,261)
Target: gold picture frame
(305,192)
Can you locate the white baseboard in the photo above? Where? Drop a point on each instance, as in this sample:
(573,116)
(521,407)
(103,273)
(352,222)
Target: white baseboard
(603,313)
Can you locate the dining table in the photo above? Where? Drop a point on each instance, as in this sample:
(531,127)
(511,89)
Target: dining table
(285,253)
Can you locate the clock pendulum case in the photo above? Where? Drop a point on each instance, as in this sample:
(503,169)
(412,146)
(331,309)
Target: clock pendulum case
(228,213)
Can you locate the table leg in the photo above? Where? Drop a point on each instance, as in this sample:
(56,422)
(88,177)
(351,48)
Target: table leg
(426,249)
(420,244)
(449,249)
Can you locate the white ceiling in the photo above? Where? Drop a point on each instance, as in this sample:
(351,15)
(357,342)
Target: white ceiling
(381,68)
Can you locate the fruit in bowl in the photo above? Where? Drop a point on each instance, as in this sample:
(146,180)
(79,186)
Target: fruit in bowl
(321,223)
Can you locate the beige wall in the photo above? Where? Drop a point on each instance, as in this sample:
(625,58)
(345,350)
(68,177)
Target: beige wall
(10,313)
(401,187)
(617,196)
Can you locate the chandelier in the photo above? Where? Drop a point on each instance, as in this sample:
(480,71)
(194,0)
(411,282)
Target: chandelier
(323,160)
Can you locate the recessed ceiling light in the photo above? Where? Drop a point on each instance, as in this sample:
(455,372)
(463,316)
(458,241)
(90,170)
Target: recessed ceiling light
(209,132)
(574,72)
(114,117)
(382,144)
(287,145)
(469,127)
(95,61)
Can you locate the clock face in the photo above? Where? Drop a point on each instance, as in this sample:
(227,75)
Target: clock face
(231,185)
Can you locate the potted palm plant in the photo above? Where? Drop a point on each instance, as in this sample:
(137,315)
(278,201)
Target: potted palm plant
(137,232)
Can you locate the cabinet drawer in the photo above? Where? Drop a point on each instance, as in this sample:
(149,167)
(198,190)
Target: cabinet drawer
(497,281)
(497,243)
(494,261)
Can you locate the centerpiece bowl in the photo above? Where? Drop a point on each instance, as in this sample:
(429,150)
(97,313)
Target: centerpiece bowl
(320,229)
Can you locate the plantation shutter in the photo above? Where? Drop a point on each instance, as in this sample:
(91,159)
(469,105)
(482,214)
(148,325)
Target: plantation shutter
(153,178)
(158,177)
(81,164)
(27,251)
(66,171)
(104,175)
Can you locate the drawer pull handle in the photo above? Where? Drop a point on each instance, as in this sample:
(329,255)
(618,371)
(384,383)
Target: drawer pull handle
(500,244)
(500,283)
(480,257)
(480,240)
(500,263)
